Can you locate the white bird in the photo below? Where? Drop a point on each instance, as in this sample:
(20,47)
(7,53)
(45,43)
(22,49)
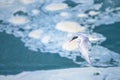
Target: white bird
(84,46)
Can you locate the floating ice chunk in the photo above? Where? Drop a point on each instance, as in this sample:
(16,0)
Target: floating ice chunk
(45,39)
(70,45)
(97,6)
(64,14)
(35,11)
(6,3)
(33,49)
(69,26)
(35,34)
(91,21)
(96,38)
(18,20)
(93,13)
(27,27)
(27,1)
(56,6)
(101,54)
(81,15)
(69,35)
(19,34)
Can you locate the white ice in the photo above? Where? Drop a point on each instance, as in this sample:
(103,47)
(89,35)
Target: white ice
(56,6)
(70,26)
(88,73)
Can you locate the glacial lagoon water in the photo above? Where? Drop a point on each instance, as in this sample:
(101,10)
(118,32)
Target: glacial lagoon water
(31,39)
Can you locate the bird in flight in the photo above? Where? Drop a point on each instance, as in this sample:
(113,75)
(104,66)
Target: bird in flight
(84,46)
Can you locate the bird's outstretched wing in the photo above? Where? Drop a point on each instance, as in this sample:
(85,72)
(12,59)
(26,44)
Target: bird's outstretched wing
(85,46)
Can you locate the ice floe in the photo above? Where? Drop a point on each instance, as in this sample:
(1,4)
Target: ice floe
(27,1)
(18,20)
(82,15)
(56,6)
(35,34)
(93,13)
(69,26)
(35,11)
(70,45)
(45,39)
(64,14)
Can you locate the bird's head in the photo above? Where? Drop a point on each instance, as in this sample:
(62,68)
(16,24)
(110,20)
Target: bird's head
(74,38)
(79,38)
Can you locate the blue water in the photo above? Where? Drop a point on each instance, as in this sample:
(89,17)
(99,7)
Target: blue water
(112,33)
(15,58)
(20,53)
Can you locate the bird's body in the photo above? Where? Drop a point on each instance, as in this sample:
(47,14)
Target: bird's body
(84,46)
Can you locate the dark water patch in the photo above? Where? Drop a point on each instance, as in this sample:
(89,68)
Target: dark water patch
(112,32)
(98,1)
(71,3)
(110,4)
(15,58)
(1,21)
(20,13)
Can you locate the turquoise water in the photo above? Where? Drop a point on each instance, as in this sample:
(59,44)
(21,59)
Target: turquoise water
(112,33)
(15,58)
(19,52)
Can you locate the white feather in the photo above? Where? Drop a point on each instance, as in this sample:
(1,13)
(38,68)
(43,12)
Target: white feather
(84,46)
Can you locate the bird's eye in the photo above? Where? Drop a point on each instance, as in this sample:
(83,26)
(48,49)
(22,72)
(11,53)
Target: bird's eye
(75,37)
